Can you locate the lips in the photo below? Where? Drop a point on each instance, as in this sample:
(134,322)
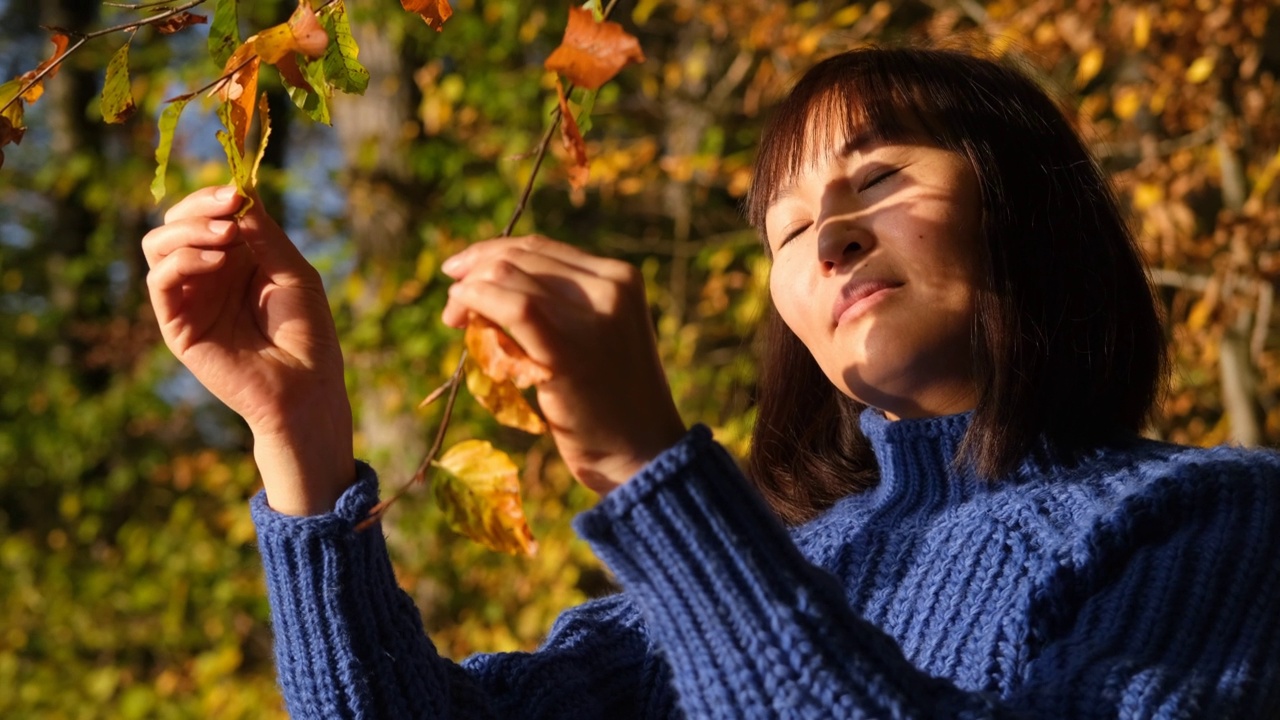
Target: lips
(858,294)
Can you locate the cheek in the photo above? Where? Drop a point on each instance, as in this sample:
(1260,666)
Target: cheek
(786,297)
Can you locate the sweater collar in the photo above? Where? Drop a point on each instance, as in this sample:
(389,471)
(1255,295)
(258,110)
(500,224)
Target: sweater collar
(917,459)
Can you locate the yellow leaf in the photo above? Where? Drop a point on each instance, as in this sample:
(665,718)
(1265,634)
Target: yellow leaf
(1147,194)
(1142,29)
(1200,70)
(479,493)
(1089,67)
(503,399)
(1127,103)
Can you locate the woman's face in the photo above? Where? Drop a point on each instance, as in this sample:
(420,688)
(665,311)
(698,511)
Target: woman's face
(875,268)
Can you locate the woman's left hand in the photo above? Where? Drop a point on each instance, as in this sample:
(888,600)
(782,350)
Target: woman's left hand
(586,319)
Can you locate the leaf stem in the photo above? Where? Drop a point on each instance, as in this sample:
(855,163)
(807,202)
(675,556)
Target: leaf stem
(82,38)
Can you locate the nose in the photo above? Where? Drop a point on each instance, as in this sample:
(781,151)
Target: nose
(839,244)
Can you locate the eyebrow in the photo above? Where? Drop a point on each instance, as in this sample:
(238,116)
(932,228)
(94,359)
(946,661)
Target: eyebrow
(850,146)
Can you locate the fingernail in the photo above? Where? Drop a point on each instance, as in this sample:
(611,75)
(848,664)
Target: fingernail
(218,227)
(210,256)
(451,265)
(223,194)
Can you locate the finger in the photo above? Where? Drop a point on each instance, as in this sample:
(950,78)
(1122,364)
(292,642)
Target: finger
(276,254)
(169,276)
(218,201)
(555,284)
(460,264)
(199,232)
(517,307)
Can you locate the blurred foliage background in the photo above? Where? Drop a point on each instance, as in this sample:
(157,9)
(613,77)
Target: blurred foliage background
(129,584)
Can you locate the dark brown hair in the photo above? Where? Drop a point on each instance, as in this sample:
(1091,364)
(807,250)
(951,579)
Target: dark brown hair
(1068,346)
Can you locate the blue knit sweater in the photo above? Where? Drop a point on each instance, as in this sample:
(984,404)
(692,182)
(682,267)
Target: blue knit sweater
(1134,583)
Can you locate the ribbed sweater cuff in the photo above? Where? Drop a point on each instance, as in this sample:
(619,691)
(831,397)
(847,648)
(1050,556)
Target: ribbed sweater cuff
(348,640)
(742,616)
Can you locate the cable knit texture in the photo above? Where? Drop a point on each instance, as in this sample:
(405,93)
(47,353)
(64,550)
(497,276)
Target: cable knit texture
(1136,581)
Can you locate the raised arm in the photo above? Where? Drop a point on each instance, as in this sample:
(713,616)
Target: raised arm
(247,314)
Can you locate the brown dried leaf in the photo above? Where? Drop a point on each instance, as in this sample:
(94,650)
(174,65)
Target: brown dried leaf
(500,357)
(432,12)
(182,20)
(593,52)
(580,170)
(479,493)
(503,399)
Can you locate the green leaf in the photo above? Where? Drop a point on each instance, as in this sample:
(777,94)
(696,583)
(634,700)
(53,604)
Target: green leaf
(315,104)
(168,124)
(224,32)
(340,64)
(117,91)
(597,12)
(9,91)
(587,104)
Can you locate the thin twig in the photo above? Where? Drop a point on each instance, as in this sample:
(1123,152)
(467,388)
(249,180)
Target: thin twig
(523,202)
(82,38)
(421,475)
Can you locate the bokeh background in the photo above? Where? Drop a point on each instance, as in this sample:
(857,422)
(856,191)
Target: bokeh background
(129,584)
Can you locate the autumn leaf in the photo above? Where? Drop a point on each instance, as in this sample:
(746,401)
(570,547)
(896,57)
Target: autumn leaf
(11,126)
(591,52)
(168,124)
(234,151)
(264,125)
(117,91)
(479,492)
(238,92)
(181,21)
(503,399)
(579,171)
(33,93)
(500,357)
(432,12)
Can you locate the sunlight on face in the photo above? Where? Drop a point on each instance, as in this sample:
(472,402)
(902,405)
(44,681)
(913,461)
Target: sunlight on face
(876,270)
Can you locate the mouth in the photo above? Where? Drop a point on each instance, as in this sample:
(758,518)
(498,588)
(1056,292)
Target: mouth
(858,296)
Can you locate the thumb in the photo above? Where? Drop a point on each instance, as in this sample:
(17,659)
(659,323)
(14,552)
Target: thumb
(276,254)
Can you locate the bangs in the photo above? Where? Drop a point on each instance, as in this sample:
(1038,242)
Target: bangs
(850,98)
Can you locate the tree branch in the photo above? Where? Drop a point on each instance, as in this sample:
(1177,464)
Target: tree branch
(82,38)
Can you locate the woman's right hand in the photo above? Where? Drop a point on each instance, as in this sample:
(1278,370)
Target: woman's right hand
(247,314)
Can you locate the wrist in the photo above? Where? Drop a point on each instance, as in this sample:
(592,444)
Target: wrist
(307,463)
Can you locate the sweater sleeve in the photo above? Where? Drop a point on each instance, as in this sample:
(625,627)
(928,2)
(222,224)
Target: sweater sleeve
(350,644)
(751,629)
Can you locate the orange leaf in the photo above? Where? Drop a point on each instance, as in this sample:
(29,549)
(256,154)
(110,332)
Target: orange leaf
(579,171)
(479,493)
(240,89)
(60,42)
(500,357)
(289,70)
(503,399)
(182,20)
(432,12)
(593,52)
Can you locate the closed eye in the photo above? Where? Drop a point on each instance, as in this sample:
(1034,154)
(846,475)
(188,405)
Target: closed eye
(878,178)
(792,235)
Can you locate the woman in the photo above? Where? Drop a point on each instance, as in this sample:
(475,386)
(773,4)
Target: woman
(963,351)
